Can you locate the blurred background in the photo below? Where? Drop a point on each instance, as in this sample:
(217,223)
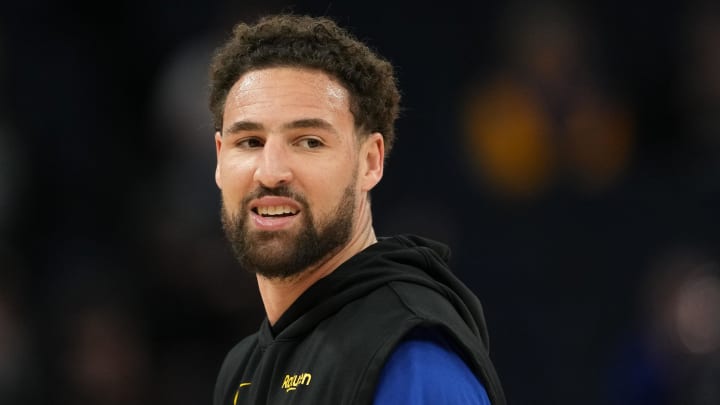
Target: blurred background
(568,152)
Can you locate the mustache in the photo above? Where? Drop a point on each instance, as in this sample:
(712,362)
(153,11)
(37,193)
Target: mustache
(279,191)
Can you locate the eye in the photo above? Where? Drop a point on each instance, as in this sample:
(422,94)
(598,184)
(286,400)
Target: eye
(250,143)
(310,143)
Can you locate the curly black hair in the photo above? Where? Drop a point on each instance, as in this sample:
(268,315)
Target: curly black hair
(312,43)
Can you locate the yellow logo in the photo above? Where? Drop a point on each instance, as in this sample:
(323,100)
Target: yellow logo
(237,392)
(291,382)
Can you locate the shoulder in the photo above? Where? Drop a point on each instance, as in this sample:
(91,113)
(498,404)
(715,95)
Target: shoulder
(425,368)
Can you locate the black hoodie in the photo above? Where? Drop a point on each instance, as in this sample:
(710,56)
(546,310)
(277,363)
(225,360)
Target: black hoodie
(330,346)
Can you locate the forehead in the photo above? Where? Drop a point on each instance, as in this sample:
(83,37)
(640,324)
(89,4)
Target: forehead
(286,93)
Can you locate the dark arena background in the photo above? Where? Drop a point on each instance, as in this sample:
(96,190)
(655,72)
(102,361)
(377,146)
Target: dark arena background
(568,152)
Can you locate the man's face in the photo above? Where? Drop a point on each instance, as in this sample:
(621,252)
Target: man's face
(288,169)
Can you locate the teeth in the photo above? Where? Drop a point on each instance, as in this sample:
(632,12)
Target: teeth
(275,210)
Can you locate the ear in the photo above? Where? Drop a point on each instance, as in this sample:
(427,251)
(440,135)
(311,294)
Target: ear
(372,160)
(218,148)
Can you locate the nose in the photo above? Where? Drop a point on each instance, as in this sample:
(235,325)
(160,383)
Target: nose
(273,168)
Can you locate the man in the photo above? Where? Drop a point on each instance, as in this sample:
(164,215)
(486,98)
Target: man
(304,116)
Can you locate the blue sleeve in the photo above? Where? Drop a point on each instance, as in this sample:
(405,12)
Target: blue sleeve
(425,370)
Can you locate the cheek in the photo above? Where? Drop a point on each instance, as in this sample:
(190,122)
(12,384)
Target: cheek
(236,175)
(331,186)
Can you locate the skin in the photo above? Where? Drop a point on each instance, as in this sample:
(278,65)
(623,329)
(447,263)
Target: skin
(293,127)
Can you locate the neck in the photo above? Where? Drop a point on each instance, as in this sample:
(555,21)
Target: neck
(279,293)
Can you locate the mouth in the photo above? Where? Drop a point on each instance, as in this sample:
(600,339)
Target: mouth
(275,211)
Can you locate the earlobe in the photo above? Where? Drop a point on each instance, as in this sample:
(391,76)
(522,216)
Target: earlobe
(218,148)
(373,160)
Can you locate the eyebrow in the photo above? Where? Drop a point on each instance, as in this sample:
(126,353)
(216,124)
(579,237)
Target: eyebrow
(311,123)
(318,123)
(241,126)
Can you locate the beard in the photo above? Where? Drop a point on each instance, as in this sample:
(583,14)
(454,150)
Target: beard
(284,254)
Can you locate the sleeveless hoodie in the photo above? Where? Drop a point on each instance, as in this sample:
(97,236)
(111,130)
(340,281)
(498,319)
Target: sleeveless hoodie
(330,346)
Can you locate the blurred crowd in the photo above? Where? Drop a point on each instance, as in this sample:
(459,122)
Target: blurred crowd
(569,153)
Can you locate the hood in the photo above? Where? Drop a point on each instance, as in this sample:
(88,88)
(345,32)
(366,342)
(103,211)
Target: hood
(406,258)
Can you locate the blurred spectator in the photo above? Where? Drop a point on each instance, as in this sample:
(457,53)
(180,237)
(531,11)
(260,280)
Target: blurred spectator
(544,117)
(95,334)
(105,358)
(672,356)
